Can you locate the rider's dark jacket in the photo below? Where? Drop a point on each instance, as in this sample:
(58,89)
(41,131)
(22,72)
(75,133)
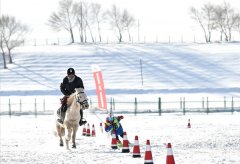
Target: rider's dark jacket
(67,88)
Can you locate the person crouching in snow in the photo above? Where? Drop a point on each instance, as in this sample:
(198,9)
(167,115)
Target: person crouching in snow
(113,124)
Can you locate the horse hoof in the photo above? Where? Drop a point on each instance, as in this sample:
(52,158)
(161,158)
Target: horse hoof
(74,146)
(61,144)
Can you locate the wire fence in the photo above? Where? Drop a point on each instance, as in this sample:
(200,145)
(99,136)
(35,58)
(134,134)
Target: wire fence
(134,40)
(183,106)
(156,39)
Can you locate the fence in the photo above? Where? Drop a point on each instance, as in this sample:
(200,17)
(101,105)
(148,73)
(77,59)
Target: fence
(183,106)
(156,39)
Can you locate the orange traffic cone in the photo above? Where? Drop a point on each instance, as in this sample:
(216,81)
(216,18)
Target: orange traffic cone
(93,131)
(125,148)
(170,158)
(88,131)
(84,130)
(148,154)
(136,148)
(189,125)
(114,140)
(101,127)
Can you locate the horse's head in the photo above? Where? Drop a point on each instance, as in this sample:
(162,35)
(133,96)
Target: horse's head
(82,98)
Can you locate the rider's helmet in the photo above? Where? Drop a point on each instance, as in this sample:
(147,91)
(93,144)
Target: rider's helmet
(71,71)
(110,117)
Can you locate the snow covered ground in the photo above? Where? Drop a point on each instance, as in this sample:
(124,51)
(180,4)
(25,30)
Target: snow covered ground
(213,139)
(170,71)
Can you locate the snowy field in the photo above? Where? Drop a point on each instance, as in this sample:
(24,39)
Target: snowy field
(213,139)
(169,71)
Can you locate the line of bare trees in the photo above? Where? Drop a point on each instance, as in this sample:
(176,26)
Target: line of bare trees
(221,18)
(89,18)
(12,34)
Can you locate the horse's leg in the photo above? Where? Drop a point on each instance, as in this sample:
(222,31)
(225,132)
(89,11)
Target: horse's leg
(68,136)
(59,132)
(75,128)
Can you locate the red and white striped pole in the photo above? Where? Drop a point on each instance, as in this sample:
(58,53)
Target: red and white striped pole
(100,90)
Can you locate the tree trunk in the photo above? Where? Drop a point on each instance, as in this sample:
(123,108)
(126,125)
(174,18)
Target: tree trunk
(129,36)
(81,25)
(80,29)
(85,35)
(99,33)
(221,34)
(209,36)
(71,33)
(4,61)
(4,58)
(229,35)
(120,36)
(10,56)
(89,28)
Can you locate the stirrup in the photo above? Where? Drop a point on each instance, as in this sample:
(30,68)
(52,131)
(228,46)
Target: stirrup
(82,122)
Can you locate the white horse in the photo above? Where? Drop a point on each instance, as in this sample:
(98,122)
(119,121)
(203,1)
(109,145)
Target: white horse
(75,102)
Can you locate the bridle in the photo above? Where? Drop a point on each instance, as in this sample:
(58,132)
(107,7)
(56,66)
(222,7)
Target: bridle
(78,97)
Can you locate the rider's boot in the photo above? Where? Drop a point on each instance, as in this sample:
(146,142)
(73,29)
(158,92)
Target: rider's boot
(82,120)
(62,113)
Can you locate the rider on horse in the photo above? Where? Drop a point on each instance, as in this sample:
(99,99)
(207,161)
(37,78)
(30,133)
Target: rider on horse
(67,87)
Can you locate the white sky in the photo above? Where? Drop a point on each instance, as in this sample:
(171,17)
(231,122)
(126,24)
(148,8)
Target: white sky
(160,18)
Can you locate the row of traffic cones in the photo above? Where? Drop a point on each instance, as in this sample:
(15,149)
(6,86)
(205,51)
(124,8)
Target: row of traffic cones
(86,132)
(148,154)
(136,149)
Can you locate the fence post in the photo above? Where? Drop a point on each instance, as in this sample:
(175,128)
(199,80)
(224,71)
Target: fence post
(44,105)
(90,103)
(181,103)
(207,106)
(159,106)
(35,107)
(184,111)
(135,109)
(113,104)
(203,103)
(225,103)
(20,105)
(9,108)
(141,71)
(232,110)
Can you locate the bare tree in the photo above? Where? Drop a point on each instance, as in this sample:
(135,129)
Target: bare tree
(84,20)
(12,34)
(64,18)
(220,21)
(128,21)
(99,15)
(205,18)
(237,25)
(116,21)
(88,21)
(230,20)
(78,11)
(2,47)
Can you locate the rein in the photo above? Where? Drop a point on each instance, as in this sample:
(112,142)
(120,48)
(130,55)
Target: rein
(78,99)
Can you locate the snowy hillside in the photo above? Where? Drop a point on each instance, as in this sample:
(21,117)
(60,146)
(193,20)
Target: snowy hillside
(167,68)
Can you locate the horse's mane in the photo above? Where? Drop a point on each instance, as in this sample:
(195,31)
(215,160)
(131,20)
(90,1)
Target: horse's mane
(70,98)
